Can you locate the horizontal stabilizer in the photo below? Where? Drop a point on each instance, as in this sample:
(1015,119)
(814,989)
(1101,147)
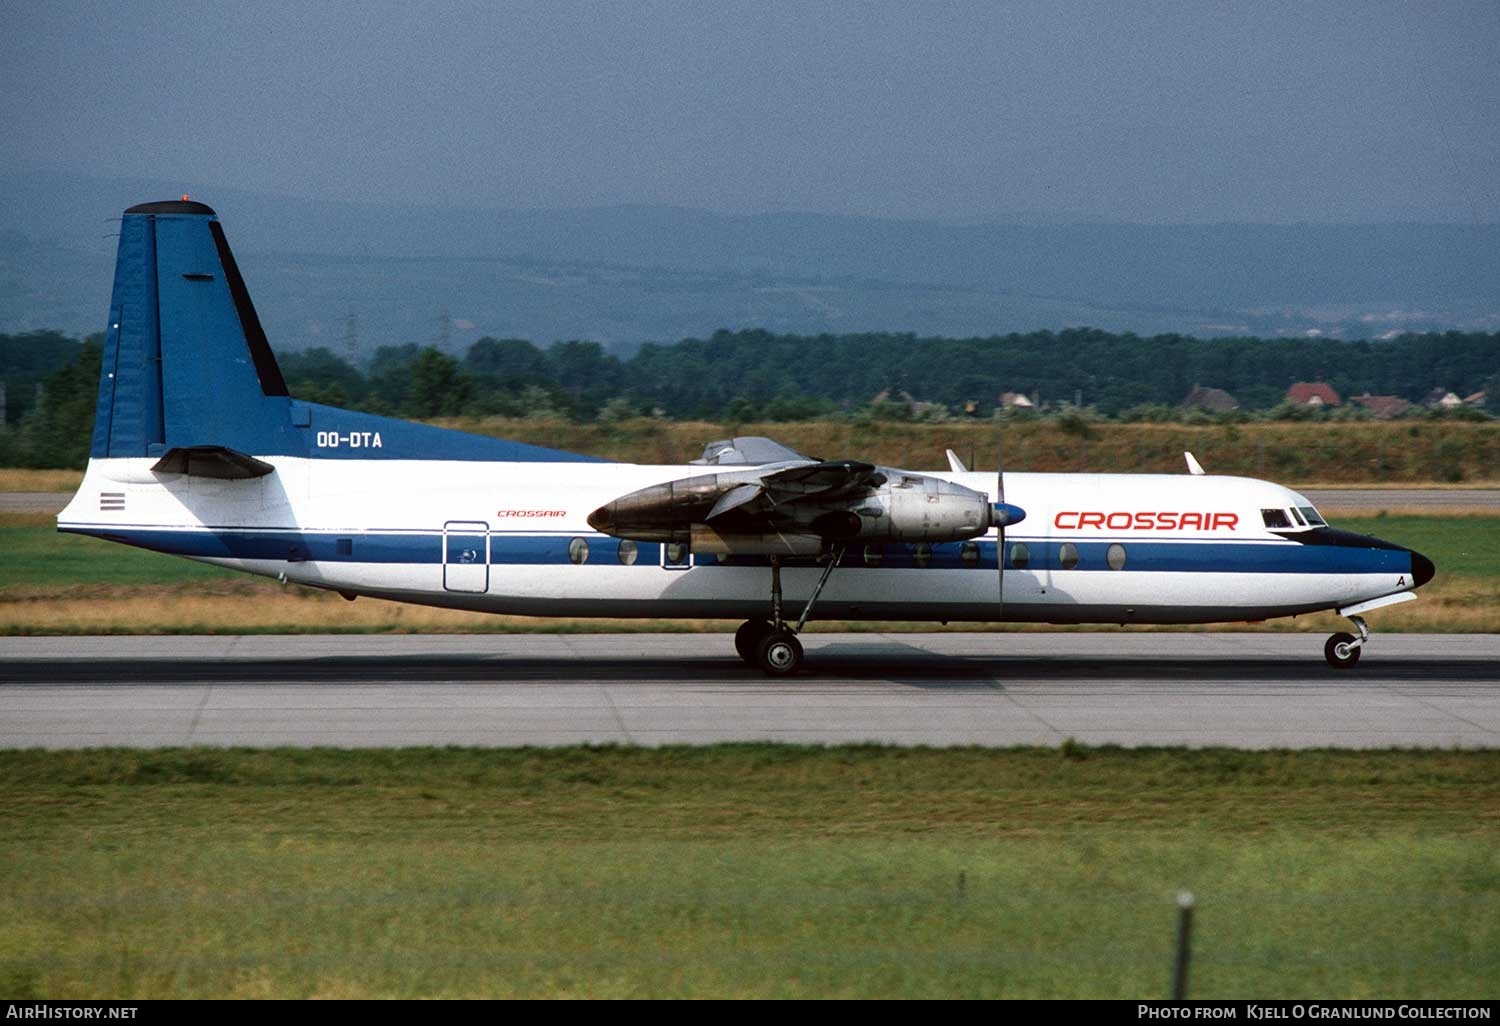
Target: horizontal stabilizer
(211,461)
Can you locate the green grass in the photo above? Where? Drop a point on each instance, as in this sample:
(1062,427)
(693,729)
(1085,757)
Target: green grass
(37,555)
(754,870)
(1467,546)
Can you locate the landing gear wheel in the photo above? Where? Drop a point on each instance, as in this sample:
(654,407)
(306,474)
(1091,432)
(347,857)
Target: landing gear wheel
(748,637)
(1338,652)
(779,653)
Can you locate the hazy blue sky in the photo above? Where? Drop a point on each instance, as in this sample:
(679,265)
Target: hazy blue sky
(1258,111)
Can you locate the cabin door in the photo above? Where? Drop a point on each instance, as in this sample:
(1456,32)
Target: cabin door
(466,556)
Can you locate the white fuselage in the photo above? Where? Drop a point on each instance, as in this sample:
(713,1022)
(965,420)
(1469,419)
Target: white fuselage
(513,538)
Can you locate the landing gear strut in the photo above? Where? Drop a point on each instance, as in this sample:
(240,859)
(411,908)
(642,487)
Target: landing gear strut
(1342,649)
(773,645)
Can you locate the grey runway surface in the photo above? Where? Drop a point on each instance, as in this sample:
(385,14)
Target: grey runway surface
(1241,690)
(1427,500)
(34,502)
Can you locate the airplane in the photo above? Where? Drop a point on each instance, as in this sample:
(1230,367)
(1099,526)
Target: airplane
(199,450)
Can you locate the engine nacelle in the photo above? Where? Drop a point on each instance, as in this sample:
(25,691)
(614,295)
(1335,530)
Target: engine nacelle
(800,510)
(914,509)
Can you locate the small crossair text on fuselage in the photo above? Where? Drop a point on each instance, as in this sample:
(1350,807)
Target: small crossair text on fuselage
(199,450)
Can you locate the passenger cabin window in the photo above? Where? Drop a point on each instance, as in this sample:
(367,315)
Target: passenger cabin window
(968,553)
(1115,557)
(1312,516)
(1275,519)
(578,551)
(921,555)
(1067,556)
(1020,556)
(628,552)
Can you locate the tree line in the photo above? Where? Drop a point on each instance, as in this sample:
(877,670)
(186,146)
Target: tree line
(757,375)
(1073,375)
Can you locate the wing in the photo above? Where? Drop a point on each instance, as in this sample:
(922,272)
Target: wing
(833,477)
(808,483)
(818,502)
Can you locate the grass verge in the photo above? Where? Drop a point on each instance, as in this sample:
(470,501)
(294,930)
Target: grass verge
(20,479)
(746,871)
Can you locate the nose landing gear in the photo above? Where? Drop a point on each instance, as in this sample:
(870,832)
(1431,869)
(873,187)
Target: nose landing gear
(1342,649)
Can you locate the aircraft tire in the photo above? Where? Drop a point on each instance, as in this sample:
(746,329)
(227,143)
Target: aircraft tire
(779,654)
(748,638)
(1339,657)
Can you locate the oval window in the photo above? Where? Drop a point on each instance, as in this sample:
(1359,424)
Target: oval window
(628,552)
(872,555)
(1020,556)
(676,554)
(921,555)
(1067,556)
(1115,557)
(969,553)
(578,550)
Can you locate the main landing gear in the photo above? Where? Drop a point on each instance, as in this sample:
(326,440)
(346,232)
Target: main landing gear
(772,644)
(1342,649)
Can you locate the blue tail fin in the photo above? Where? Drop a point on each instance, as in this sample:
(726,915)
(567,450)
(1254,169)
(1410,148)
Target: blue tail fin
(187,365)
(185,360)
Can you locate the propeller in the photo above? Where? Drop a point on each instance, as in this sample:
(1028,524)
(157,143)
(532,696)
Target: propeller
(1001,518)
(1002,515)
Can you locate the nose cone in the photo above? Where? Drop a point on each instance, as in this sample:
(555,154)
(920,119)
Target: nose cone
(601,519)
(1421,569)
(1003,514)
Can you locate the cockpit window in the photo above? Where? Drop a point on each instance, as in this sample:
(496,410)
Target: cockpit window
(1298,517)
(1312,516)
(1275,519)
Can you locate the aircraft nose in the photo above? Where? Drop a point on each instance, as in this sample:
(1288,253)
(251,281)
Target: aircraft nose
(1421,568)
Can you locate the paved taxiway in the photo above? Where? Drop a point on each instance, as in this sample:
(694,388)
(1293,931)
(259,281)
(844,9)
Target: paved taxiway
(1244,690)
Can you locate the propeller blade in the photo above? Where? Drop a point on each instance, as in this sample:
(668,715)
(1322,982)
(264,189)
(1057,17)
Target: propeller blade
(1001,516)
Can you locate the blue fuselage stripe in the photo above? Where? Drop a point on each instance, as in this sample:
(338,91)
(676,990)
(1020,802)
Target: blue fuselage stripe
(394,547)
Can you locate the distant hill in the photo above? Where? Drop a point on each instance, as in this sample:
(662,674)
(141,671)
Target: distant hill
(628,275)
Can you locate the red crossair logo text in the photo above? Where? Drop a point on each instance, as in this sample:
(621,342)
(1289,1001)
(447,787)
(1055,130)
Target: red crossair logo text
(1079,520)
